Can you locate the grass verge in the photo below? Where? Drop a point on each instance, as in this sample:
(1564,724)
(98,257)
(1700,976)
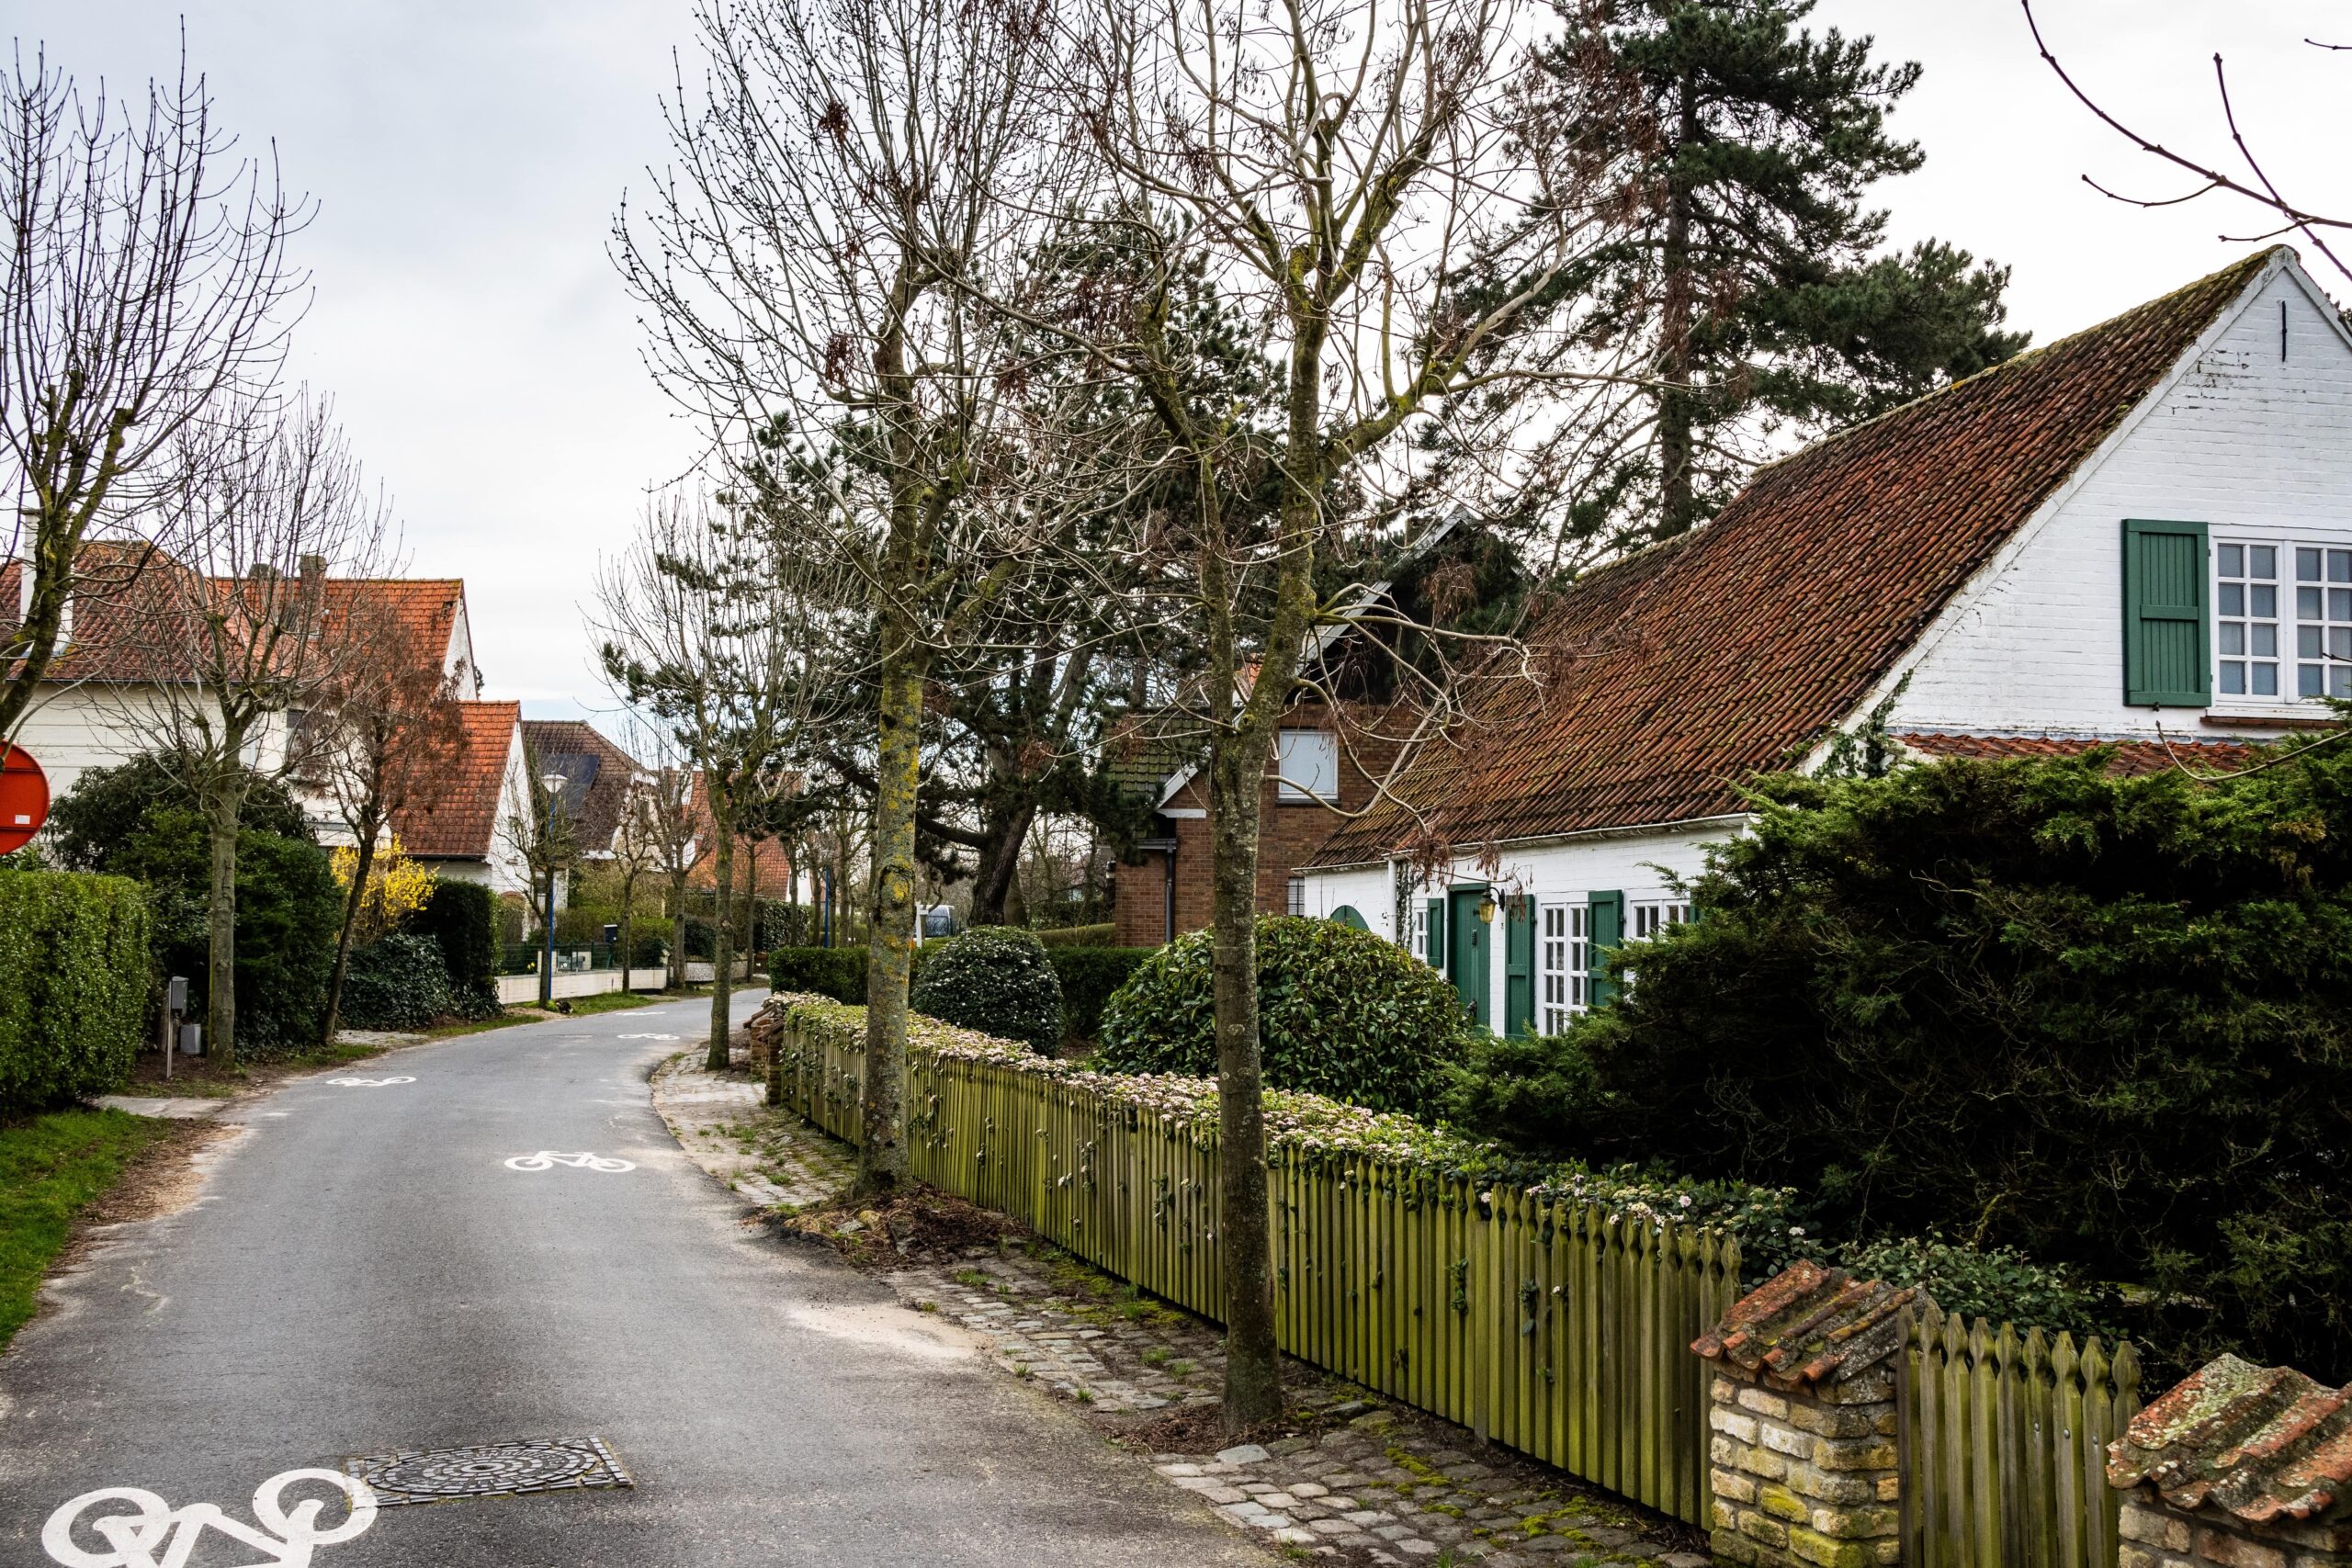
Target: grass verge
(51,1167)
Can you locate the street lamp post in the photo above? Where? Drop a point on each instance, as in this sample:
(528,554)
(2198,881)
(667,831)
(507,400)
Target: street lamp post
(553,784)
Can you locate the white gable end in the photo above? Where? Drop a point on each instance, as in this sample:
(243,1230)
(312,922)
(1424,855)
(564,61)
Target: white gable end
(2254,444)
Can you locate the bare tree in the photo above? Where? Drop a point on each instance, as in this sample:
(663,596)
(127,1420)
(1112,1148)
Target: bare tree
(726,639)
(1339,168)
(232,651)
(543,832)
(637,852)
(2286,214)
(382,740)
(846,167)
(145,276)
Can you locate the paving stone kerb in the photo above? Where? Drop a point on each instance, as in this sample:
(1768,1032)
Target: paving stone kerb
(1380,1487)
(1552,1318)
(2238,1467)
(1802,1457)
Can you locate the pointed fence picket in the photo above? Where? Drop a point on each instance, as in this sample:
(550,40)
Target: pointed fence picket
(1556,1326)
(2002,1440)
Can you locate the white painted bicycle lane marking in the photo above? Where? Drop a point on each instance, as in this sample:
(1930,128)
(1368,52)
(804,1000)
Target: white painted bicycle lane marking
(367,1083)
(289,1535)
(547,1158)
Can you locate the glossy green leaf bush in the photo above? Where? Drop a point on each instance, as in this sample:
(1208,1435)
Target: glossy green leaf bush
(996,979)
(1340,1012)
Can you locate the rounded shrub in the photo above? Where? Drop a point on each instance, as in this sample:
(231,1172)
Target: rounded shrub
(994,979)
(1340,1012)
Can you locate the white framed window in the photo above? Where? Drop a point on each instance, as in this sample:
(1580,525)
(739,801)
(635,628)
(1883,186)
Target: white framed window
(2245,619)
(1297,903)
(1563,953)
(1652,918)
(1309,762)
(1420,937)
(2322,621)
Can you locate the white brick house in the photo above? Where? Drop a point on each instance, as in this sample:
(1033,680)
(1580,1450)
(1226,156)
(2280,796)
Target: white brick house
(2141,534)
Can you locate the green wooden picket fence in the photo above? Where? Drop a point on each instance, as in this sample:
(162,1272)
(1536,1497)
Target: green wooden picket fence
(2003,1441)
(1554,1327)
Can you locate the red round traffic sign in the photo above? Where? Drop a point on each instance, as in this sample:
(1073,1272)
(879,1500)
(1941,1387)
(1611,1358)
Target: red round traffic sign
(24,797)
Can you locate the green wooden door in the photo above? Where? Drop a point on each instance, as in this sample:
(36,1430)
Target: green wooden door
(1468,938)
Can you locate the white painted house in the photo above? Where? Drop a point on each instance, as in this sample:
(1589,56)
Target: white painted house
(2141,534)
(104,700)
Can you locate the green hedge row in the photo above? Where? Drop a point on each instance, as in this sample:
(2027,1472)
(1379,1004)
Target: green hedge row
(75,975)
(1088,975)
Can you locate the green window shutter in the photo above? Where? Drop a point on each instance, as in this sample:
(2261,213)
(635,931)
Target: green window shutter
(2168,618)
(1345,915)
(1519,968)
(1436,934)
(1605,925)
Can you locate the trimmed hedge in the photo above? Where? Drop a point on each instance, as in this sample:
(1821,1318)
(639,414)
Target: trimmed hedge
(1089,976)
(398,981)
(74,978)
(1340,1012)
(836,972)
(1078,936)
(994,978)
(462,919)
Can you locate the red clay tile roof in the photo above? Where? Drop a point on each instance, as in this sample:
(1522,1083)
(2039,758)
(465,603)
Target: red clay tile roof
(2263,1443)
(1810,1325)
(422,609)
(122,587)
(1674,675)
(2129,758)
(461,823)
(770,858)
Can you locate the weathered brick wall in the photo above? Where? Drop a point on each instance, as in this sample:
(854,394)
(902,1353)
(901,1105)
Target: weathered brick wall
(1288,832)
(1802,1458)
(1805,1475)
(2156,1535)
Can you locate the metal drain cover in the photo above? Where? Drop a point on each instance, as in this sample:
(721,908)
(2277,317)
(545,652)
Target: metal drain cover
(490,1469)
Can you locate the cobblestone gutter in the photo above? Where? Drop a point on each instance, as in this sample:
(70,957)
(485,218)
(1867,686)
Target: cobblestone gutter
(1351,1480)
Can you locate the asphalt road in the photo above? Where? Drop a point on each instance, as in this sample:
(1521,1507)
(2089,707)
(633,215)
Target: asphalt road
(364,1274)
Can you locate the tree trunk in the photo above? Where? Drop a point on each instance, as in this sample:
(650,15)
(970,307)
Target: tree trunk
(629,886)
(221,813)
(998,874)
(882,1150)
(1677,415)
(677,976)
(722,934)
(361,867)
(1254,1390)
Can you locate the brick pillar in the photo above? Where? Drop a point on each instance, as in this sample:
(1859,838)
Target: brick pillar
(1802,1456)
(2238,1467)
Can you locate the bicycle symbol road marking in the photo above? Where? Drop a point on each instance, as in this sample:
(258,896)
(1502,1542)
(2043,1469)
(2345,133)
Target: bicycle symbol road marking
(367,1083)
(288,1535)
(583,1161)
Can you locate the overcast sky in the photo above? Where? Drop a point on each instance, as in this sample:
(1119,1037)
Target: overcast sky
(468,156)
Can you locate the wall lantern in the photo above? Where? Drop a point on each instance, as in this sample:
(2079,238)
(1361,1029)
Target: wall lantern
(1486,909)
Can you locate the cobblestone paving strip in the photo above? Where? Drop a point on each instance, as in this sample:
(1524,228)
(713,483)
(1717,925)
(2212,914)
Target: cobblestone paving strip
(1362,1482)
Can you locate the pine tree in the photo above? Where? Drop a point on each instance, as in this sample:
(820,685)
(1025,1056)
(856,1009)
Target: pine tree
(1750,277)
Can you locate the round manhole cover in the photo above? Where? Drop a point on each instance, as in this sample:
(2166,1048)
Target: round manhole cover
(490,1469)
